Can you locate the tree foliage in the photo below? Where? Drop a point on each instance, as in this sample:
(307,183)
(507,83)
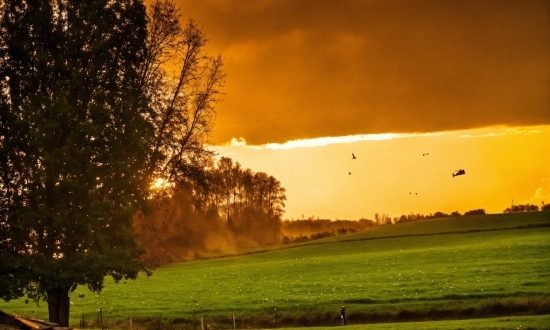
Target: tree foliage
(296,231)
(227,208)
(182,84)
(90,115)
(475,212)
(521,208)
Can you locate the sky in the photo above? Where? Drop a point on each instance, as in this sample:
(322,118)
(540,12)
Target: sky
(310,82)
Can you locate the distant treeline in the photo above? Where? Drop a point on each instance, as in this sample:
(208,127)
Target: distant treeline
(295,231)
(526,208)
(222,208)
(382,219)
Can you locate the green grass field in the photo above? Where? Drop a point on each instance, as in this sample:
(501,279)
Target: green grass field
(463,267)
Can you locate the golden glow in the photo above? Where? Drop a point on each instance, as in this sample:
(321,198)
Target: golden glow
(160,184)
(325,141)
(501,164)
(297,106)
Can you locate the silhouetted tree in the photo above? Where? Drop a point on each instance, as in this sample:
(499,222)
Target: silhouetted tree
(382,219)
(439,214)
(74,139)
(90,116)
(521,208)
(475,212)
(182,84)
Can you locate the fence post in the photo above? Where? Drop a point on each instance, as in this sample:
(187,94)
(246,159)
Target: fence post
(202,323)
(101,318)
(130,321)
(234,325)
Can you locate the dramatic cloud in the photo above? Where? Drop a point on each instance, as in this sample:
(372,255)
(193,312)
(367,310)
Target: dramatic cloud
(325,141)
(302,69)
(509,131)
(541,194)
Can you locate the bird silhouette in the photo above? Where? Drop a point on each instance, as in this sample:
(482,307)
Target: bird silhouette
(426,154)
(353,156)
(459,172)
(349,173)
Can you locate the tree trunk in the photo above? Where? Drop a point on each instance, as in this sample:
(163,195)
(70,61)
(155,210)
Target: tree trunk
(58,306)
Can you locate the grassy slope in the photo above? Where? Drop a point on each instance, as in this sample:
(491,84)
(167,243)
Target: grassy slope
(364,271)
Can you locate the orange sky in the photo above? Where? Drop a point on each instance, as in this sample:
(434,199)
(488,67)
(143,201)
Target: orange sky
(501,164)
(302,69)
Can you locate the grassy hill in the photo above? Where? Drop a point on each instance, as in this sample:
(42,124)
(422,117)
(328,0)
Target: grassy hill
(449,268)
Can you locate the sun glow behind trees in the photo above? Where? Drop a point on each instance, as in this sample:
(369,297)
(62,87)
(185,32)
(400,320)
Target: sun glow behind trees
(222,209)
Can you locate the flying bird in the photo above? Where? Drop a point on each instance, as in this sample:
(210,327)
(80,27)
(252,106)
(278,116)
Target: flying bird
(353,156)
(349,173)
(459,172)
(426,154)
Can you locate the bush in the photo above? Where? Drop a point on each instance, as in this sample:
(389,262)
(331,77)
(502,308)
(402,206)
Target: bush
(521,208)
(476,212)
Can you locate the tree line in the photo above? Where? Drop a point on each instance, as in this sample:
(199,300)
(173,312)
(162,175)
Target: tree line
(302,230)
(297,231)
(527,208)
(382,219)
(219,209)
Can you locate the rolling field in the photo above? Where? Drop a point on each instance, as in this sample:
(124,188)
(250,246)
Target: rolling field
(463,267)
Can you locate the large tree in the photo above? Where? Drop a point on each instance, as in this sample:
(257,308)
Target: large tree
(89,117)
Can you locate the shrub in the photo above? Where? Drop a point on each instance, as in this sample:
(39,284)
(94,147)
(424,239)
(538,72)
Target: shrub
(476,212)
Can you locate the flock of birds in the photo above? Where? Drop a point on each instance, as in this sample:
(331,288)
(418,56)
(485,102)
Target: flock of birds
(456,173)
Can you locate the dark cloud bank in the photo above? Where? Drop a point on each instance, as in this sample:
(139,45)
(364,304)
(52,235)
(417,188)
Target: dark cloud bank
(300,69)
